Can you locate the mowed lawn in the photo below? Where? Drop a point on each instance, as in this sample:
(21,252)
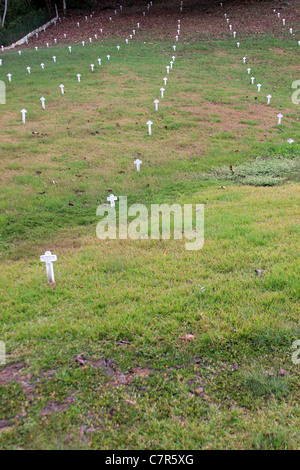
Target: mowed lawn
(96,361)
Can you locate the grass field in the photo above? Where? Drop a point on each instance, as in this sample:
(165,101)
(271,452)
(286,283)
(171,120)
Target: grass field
(122,305)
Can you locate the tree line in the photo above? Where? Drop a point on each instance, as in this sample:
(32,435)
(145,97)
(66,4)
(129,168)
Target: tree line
(13,10)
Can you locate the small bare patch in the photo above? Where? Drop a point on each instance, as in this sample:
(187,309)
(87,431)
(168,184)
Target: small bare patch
(56,407)
(12,372)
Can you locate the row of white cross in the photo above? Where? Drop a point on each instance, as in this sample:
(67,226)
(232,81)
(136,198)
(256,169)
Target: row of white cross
(112,198)
(61,86)
(259,85)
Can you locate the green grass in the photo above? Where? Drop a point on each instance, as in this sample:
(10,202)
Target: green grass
(157,392)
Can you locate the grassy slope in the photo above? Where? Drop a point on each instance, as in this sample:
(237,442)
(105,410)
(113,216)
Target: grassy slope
(148,394)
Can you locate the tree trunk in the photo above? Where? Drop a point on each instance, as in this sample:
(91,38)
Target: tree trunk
(4,14)
(65,6)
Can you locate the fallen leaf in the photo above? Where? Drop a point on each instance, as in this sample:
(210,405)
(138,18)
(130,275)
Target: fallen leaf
(186,338)
(80,359)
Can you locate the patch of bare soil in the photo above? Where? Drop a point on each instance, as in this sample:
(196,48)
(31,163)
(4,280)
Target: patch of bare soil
(199,20)
(116,376)
(232,119)
(57,407)
(13,372)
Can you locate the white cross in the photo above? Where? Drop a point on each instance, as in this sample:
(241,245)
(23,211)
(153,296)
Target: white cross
(28,70)
(171,64)
(248,70)
(90,39)
(156,104)
(92,67)
(20,52)
(23,111)
(62,89)
(162,92)
(47,44)
(54,58)
(291,30)
(43,66)
(259,86)
(165,80)
(283,22)
(99,61)
(174,47)
(70,48)
(43,102)
(83,43)
(269,99)
(290,141)
(138,163)
(55,40)
(118,47)
(234,34)
(252,80)
(49,258)
(244,59)
(112,200)
(36,48)
(238,44)
(9,77)
(176,37)
(78,76)
(149,123)
(108,57)
(168,68)
(280,116)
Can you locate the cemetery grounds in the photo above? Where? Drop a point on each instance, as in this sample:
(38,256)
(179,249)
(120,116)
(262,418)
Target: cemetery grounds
(142,344)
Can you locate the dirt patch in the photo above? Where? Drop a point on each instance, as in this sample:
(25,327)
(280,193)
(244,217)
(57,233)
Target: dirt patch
(57,407)
(12,372)
(221,117)
(5,423)
(198,20)
(116,376)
